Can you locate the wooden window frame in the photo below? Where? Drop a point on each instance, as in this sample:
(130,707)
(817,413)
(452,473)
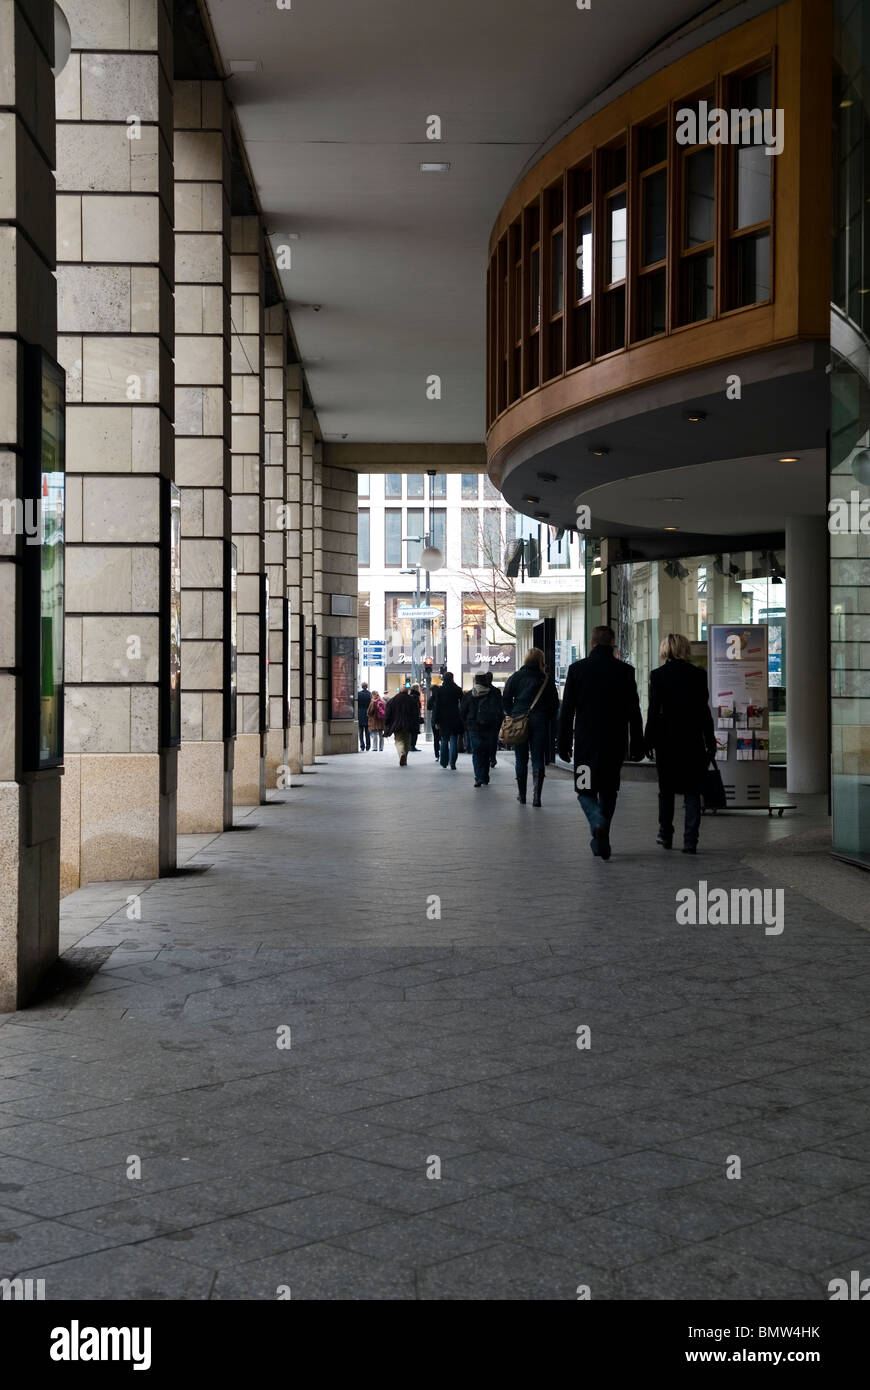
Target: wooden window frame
(729,233)
(682,254)
(575,211)
(638,271)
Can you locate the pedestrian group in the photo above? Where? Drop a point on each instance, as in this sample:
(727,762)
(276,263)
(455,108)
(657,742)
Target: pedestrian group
(599,728)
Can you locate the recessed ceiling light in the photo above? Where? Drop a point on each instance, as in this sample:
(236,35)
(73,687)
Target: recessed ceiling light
(695,416)
(434,168)
(542,516)
(598,450)
(672,528)
(529,498)
(548,477)
(245,65)
(846,102)
(672,499)
(789,458)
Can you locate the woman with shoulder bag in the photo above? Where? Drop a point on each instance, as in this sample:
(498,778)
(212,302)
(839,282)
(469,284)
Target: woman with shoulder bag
(530,694)
(377,712)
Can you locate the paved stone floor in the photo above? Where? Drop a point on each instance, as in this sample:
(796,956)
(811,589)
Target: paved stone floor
(419,1039)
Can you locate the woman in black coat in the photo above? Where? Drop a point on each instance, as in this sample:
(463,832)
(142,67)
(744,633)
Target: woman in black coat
(530,681)
(679,735)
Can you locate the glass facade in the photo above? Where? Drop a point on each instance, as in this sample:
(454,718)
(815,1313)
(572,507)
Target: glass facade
(849,480)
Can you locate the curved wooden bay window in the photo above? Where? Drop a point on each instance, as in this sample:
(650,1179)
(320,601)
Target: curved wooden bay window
(627,234)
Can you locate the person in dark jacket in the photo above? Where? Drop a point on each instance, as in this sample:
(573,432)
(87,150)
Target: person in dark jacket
(482,713)
(600,717)
(433,720)
(401,719)
(680,736)
(363,700)
(519,693)
(415,733)
(449,719)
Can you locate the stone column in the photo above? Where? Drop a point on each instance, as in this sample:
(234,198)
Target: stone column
(338,568)
(319,601)
(293,551)
(115,315)
(311,656)
(249,777)
(202,446)
(29,798)
(277,518)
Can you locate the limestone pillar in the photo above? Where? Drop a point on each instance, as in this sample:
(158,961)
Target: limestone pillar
(247,278)
(202,446)
(115,318)
(293,552)
(29,797)
(338,569)
(311,653)
(277,518)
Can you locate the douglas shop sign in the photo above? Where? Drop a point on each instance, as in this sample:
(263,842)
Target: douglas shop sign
(491,658)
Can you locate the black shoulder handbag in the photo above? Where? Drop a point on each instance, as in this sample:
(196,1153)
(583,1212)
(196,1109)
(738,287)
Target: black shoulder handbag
(713,790)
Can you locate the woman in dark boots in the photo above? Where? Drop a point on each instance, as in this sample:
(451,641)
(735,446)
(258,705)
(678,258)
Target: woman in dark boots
(679,734)
(532,685)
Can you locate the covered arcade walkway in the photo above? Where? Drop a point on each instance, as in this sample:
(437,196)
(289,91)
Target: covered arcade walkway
(417,1038)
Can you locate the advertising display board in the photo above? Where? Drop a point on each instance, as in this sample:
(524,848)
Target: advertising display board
(738,677)
(342,678)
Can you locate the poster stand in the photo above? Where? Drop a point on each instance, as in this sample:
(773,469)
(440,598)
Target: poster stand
(738,678)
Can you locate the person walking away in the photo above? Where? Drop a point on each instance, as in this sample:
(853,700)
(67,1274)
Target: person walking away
(600,718)
(415,733)
(680,736)
(402,717)
(377,710)
(363,700)
(532,685)
(449,719)
(482,712)
(433,720)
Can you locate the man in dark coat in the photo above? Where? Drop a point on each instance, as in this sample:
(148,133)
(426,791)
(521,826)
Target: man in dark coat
(363,700)
(680,736)
(433,719)
(449,719)
(600,718)
(482,713)
(401,719)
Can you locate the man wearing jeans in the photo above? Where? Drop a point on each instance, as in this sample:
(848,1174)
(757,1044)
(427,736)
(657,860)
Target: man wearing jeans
(600,717)
(363,700)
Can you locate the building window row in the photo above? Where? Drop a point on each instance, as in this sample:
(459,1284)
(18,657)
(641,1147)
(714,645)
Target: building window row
(644,237)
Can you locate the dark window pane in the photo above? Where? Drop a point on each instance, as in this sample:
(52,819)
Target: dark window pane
(392,537)
(749,270)
(392,484)
(582,187)
(470,485)
(696,286)
(555,196)
(753,91)
(699,174)
(438,529)
(557,274)
(613,324)
(651,307)
(613,168)
(491,538)
(653,145)
(583,256)
(752,166)
(469,537)
(363,543)
(535,289)
(517,306)
(655,217)
(534,220)
(414,524)
(415,485)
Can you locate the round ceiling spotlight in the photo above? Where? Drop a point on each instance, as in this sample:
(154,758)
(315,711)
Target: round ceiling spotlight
(529,498)
(789,458)
(599,450)
(548,477)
